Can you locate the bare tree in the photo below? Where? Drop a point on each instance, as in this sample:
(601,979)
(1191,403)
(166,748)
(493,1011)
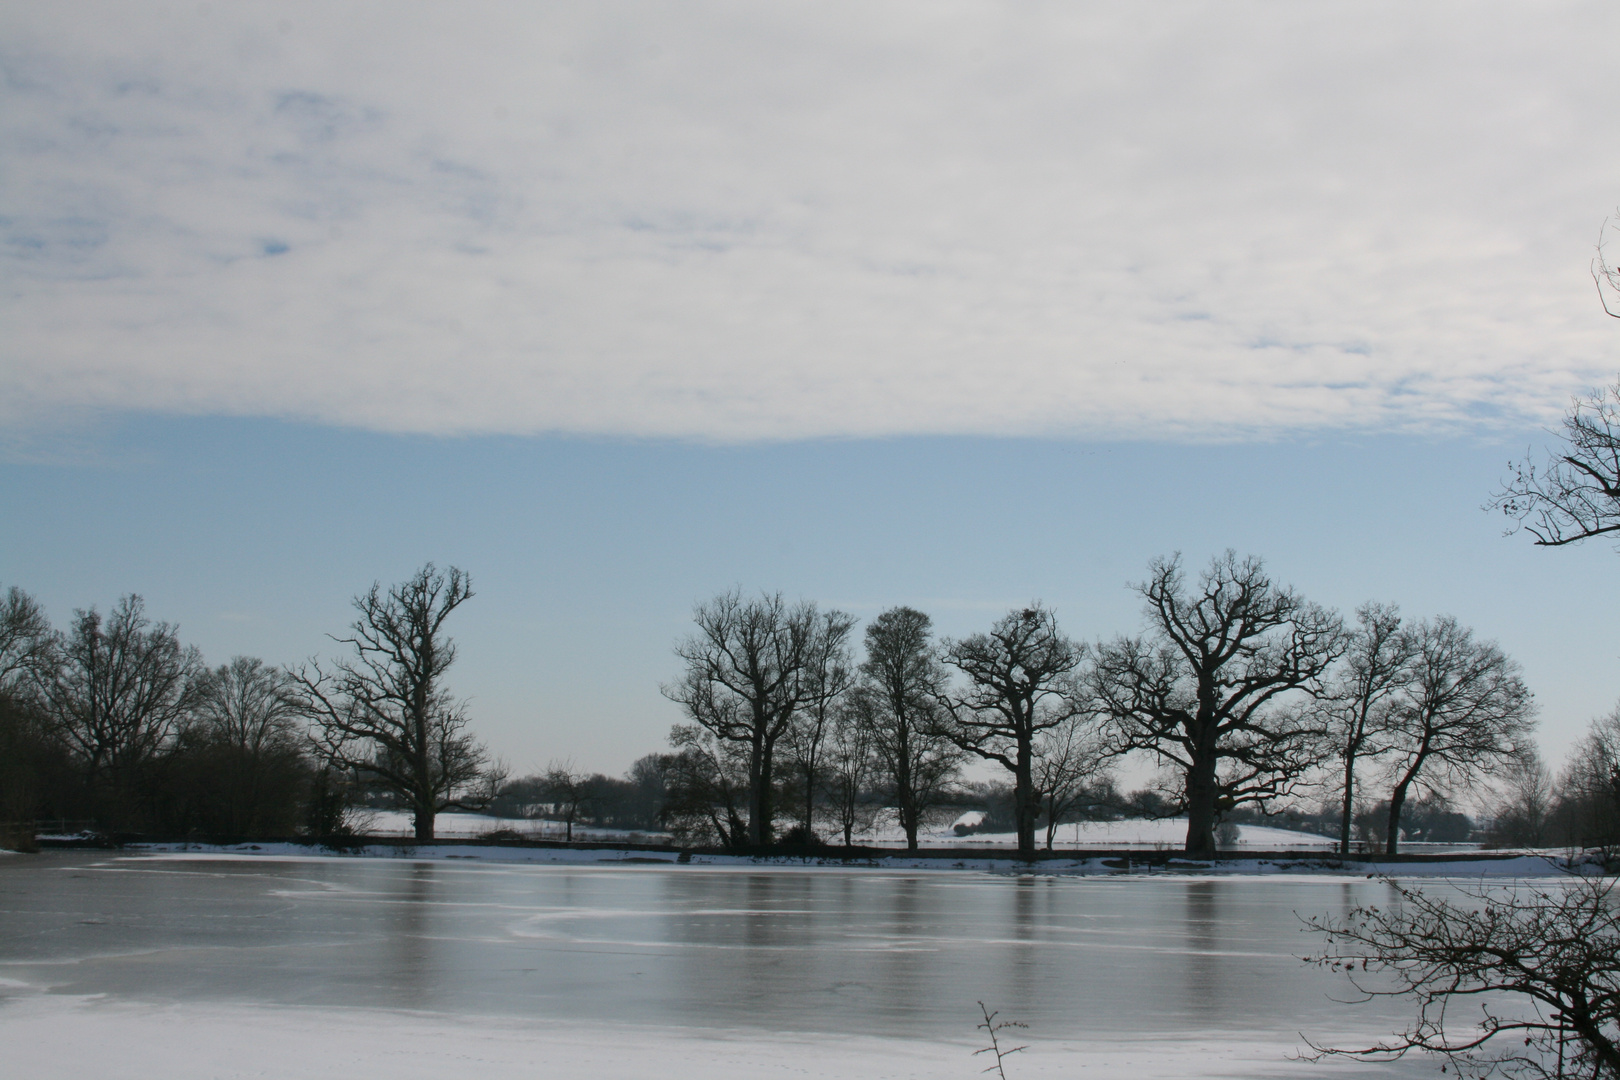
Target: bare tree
(122,687)
(27,644)
(241,754)
(853,765)
(706,787)
(1552,952)
(1073,762)
(1019,684)
(385,711)
(1574,494)
(897,704)
(1587,808)
(29,753)
(1522,810)
(568,790)
(1376,669)
(829,672)
(1221,689)
(249,705)
(1467,714)
(750,668)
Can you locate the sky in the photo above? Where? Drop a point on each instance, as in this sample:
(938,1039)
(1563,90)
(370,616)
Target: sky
(617,306)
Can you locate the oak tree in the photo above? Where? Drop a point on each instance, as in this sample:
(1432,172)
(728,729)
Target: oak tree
(1221,687)
(1465,714)
(898,704)
(1018,681)
(385,712)
(750,666)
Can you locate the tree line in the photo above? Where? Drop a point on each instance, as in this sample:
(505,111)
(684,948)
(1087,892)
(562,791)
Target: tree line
(114,721)
(1243,693)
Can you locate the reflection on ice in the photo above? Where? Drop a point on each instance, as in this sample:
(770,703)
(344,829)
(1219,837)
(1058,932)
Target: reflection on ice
(881,955)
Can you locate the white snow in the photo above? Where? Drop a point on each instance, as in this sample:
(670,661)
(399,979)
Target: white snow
(466,826)
(1168,834)
(50,1037)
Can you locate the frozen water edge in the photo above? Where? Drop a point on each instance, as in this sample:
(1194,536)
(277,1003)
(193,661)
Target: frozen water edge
(66,1038)
(1518,866)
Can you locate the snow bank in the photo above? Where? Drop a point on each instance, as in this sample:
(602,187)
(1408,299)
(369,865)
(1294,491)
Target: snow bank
(65,1038)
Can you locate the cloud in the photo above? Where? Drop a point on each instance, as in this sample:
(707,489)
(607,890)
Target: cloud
(731,222)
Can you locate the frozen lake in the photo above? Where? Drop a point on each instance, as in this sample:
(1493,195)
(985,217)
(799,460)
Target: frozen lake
(1160,966)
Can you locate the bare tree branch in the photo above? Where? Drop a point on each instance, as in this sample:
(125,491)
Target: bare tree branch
(384,711)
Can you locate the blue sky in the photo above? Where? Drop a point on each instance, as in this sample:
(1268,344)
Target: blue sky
(619,305)
(587,554)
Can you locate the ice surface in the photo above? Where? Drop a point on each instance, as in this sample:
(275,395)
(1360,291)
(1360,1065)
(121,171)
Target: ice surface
(206,965)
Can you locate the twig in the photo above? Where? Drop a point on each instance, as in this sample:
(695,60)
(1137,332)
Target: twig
(990,1028)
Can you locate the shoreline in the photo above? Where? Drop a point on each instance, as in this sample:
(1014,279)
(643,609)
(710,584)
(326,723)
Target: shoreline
(1505,865)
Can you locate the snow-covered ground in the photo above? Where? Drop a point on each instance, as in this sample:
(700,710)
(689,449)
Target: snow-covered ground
(57,1038)
(471,826)
(1168,834)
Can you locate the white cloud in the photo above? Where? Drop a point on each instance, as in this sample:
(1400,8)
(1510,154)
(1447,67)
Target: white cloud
(739,222)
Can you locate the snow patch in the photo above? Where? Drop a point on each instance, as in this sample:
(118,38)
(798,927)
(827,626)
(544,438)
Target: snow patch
(51,1037)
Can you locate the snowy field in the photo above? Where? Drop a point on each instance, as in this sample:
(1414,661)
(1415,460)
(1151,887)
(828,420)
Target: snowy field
(1168,834)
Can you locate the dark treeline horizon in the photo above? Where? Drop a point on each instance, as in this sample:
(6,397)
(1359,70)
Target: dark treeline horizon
(1252,704)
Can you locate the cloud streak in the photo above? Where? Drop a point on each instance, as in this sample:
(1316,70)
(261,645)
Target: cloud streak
(731,223)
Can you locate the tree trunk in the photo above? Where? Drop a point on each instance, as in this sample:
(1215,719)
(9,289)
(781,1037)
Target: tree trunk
(904,795)
(809,799)
(1201,806)
(1349,802)
(424,822)
(1025,806)
(759,809)
(1397,800)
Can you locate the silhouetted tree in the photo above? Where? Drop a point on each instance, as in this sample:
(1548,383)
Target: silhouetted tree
(852,765)
(1541,964)
(1072,768)
(1574,494)
(1466,714)
(1220,689)
(1369,684)
(119,693)
(897,705)
(751,665)
(1521,811)
(385,711)
(250,705)
(1019,682)
(1586,809)
(568,791)
(706,785)
(829,670)
(28,646)
(35,773)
